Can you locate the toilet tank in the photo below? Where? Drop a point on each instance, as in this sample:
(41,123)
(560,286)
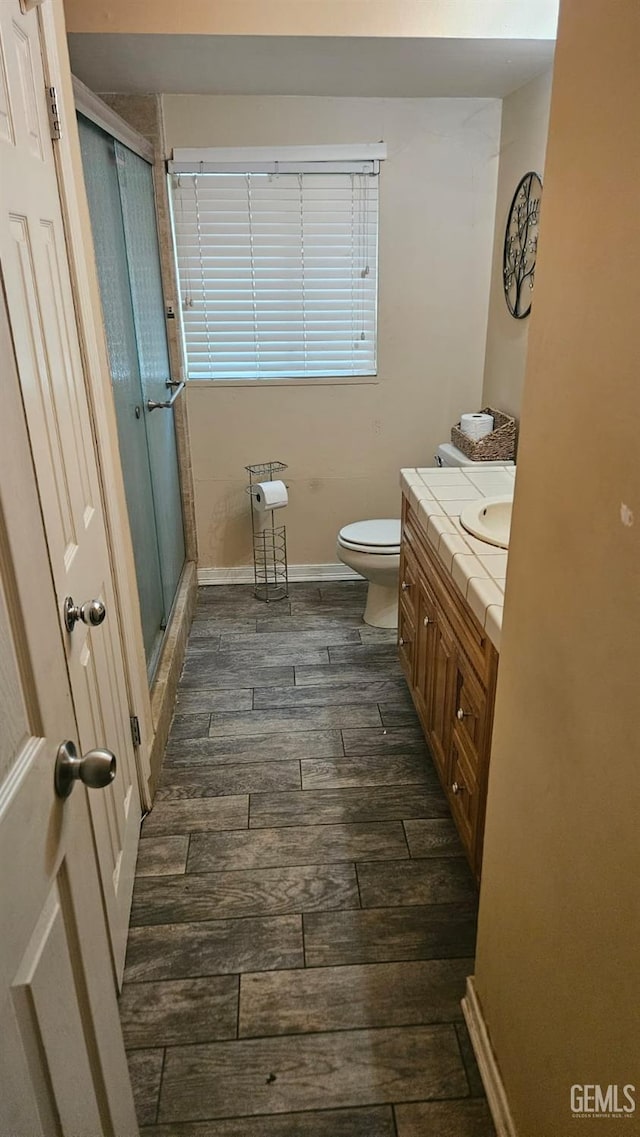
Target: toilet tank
(448,455)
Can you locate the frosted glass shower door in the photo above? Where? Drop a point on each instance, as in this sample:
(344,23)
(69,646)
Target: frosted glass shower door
(135,179)
(101,178)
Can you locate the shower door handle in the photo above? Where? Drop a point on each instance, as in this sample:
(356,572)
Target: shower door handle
(152,405)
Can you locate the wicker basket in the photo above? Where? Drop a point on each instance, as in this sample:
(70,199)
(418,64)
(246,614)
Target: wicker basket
(499,446)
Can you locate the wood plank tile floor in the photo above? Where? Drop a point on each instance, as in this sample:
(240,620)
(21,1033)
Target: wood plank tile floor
(303,918)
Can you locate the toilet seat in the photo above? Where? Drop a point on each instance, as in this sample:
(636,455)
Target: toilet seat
(380,536)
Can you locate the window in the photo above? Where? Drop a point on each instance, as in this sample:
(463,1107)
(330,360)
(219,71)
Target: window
(277,269)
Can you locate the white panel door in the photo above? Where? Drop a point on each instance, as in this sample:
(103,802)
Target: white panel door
(62,1063)
(42,318)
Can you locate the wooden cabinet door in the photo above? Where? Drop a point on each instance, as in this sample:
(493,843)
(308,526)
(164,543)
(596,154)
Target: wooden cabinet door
(464,792)
(469,705)
(408,579)
(442,691)
(468,759)
(406,612)
(425,607)
(406,642)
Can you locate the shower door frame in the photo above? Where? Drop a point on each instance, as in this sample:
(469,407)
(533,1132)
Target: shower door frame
(156,700)
(100,113)
(92,107)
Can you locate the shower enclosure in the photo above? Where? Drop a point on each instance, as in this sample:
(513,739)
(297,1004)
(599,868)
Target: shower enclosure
(120,191)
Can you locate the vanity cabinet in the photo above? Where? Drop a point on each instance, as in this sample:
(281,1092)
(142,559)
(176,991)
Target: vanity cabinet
(451,667)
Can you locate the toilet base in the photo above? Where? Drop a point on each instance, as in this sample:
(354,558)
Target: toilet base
(381,570)
(382,606)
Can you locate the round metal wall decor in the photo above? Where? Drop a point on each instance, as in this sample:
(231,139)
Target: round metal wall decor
(521,245)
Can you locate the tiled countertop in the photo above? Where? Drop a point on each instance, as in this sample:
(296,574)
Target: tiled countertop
(438,496)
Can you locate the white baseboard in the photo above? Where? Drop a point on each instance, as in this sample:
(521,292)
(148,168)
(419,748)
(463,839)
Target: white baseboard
(297,573)
(487,1064)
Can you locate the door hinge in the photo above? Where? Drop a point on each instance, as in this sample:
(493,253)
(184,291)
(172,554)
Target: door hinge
(54,117)
(135,730)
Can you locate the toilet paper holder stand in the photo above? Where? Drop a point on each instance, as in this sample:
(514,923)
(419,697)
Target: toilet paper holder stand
(269,541)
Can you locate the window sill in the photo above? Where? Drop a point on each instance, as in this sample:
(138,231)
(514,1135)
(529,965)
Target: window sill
(338,381)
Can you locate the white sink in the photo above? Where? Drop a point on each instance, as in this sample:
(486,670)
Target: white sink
(489,519)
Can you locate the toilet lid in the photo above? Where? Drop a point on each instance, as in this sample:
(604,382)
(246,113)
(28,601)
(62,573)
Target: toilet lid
(381,535)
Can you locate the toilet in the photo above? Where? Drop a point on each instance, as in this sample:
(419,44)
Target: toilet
(372,549)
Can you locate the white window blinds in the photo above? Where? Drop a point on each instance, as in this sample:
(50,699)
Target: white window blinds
(278,273)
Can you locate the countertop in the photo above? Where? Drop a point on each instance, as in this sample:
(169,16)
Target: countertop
(438,496)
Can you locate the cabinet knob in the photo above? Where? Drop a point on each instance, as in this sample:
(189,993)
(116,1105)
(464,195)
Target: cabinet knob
(456,788)
(405,587)
(460,714)
(426,621)
(403,643)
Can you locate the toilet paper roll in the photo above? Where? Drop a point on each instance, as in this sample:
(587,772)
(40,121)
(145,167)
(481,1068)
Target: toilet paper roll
(477,425)
(269,495)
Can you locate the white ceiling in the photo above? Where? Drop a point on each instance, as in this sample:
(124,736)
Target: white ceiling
(307,65)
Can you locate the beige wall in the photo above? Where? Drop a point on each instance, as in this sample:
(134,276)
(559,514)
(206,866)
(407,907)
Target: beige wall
(558,965)
(523,140)
(439,18)
(345,444)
